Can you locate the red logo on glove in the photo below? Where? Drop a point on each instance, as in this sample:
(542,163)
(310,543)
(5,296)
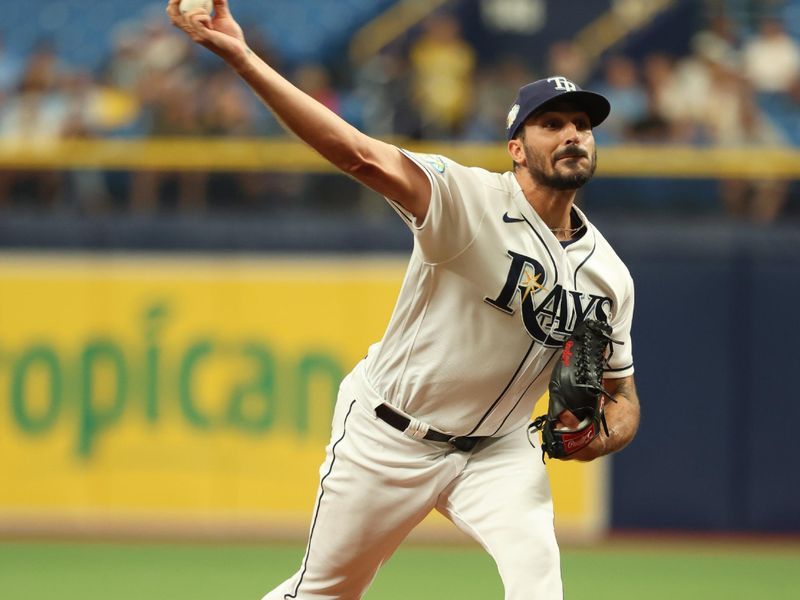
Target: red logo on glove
(566,354)
(576,441)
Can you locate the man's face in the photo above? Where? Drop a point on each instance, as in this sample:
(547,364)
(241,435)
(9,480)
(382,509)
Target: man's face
(559,148)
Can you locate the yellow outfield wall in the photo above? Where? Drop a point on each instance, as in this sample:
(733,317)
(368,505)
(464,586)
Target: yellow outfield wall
(186,395)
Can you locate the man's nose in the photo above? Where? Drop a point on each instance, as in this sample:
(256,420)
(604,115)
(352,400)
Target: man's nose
(571,134)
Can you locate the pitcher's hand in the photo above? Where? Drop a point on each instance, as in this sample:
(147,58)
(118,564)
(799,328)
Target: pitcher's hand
(221,33)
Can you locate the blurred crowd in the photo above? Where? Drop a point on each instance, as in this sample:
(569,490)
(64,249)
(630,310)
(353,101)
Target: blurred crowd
(732,88)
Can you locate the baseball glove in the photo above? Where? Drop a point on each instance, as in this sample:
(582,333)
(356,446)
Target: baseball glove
(576,385)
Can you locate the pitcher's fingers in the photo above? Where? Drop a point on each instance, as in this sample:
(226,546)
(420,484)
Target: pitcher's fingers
(199,23)
(172,9)
(221,8)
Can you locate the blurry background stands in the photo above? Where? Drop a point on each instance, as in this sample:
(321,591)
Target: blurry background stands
(717,73)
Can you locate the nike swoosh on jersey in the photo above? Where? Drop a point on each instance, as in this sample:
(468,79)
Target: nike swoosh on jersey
(508,219)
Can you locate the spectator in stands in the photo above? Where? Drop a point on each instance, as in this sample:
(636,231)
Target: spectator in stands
(566,58)
(724,33)
(226,110)
(726,102)
(86,190)
(384,89)
(759,200)
(686,88)
(772,58)
(492,88)
(665,101)
(33,117)
(162,49)
(43,70)
(175,111)
(733,120)
(124,66)
(623,89)
(122,77)
(443,65)
(314,80)
(33,114)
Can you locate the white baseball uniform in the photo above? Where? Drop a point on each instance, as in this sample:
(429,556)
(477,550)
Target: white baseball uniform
(488,299)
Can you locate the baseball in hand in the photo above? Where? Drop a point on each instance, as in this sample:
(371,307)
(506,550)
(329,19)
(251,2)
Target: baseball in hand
(187,6)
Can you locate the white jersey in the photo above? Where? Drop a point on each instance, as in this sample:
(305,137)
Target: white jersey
(489,297)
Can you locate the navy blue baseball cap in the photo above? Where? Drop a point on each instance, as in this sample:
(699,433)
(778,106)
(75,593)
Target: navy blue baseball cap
(537,95)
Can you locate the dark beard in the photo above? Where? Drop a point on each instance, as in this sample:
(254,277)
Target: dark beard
(556,181)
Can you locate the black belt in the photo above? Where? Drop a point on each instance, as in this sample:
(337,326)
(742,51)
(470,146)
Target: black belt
(400,422)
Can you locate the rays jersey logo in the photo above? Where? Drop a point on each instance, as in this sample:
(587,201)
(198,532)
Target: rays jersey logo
(549,314)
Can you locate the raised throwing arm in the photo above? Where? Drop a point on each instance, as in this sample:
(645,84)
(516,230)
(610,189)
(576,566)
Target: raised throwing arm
(376,164)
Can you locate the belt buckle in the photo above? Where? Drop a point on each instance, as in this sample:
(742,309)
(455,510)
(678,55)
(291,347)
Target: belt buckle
(465,444)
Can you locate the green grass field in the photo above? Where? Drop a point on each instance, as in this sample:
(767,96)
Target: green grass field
(653,570)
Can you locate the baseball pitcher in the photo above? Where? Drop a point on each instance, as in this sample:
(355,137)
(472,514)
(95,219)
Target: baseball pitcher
(510,292)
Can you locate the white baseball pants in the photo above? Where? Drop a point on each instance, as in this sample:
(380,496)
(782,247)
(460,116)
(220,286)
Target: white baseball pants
(376,484)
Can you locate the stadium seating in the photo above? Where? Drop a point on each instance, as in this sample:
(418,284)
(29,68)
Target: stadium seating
(81,30)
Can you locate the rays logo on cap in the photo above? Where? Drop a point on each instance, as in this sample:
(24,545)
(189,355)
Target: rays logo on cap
(512,114)
(563,84)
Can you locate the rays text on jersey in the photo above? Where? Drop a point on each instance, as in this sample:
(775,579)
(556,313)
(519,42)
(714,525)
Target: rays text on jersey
(549,315)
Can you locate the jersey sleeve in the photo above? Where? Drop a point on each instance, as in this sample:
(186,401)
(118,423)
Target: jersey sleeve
(455,211)
(621,362)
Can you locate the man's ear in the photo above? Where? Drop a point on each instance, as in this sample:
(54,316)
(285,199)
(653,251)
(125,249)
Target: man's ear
(517,152)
